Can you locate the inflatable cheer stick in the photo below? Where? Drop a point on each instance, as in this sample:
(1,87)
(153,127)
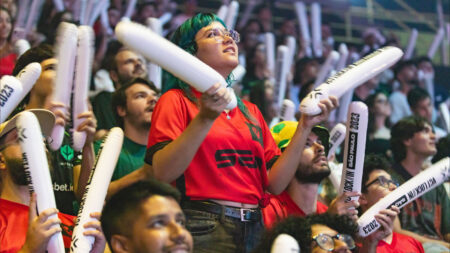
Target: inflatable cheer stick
(287,112)
(32,15)
(291,44)
(316,24)
(97,10)
(443,109)
(415,187)
(131,6)
(300,9)
(166,17)
(222,12)
(285,243)
(355,147)
(96,189)
(36,169)
(350,77)
(65,53)
(337,136)
(270,52)
(59,5)
(239,73)
(436,42)
(243,18)
(343,56)
(411,44)
(85,55)
(154,70)
(21,46)
(281,72)
(170,57)
(326,68)
(14,89)
(233,10)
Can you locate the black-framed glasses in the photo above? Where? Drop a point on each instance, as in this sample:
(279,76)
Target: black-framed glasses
(326,242)
(219,34)
(383,182)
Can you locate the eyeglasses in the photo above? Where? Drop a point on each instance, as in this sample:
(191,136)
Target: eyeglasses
(326,242)
(219,34)
(383,182)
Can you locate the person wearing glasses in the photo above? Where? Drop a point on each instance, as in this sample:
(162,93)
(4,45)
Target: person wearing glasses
(317,233)
(222,161)
(427,218)
(377,183)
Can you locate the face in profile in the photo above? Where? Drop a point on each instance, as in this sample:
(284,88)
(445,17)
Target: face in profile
(313,165)
(160,228)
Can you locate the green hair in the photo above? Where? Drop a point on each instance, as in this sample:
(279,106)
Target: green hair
(184,37)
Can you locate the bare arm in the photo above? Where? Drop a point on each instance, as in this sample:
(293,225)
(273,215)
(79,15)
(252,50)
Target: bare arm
(284,168)
(170,162)
(117,185)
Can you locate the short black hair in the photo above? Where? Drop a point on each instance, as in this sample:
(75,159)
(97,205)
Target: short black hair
(123,207)
(373,162)
(421,59)
(300,229)
(416,95)
(404,130)
(401,65)
(35,54)
(119,98)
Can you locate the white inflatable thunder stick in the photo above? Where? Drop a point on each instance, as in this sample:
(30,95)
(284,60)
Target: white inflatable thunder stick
(436,42)
(291,44)
(269,40)
(316,26)
(300,9)
(14,89)
(350,77)
(104,19)
(21,14)
(285,243)
(37,170)
(281,70)
(232,13)
(166,17)
(239,73)
(83,68)
(32,15)
(10,95)
(337,136)
(326,68)
(443,109)
(287,112)
(21,46)
(97,10)
(243,18)
(412,189)
(411,44)
(154,70)
(170,57)
(59,5)
(96,189)
(131,6)
(343,57)
(222,12)
(66,49)
(90,5)
(355,148)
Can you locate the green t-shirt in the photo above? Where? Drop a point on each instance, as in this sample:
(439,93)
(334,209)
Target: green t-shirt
(427,215)
(131,157)
(102,108)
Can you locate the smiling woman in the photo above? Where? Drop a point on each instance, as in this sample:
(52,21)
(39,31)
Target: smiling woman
(7,57)
(218,158)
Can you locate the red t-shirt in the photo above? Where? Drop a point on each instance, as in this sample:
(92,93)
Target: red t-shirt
(281,206)
(400,244)
(7,64)
(232,161)
(14,225)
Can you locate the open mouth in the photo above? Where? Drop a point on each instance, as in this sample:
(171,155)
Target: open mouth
(229,49)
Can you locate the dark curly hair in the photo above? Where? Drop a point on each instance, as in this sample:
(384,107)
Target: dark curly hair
(300,229)
(404,130)
(373,162)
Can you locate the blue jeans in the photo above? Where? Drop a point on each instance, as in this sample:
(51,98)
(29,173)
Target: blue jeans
(219,233)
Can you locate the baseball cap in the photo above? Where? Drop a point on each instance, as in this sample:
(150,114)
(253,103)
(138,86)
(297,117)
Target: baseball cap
(45,117)
(282,134)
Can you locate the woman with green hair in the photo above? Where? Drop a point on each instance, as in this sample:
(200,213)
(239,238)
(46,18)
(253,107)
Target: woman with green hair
(219,159)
